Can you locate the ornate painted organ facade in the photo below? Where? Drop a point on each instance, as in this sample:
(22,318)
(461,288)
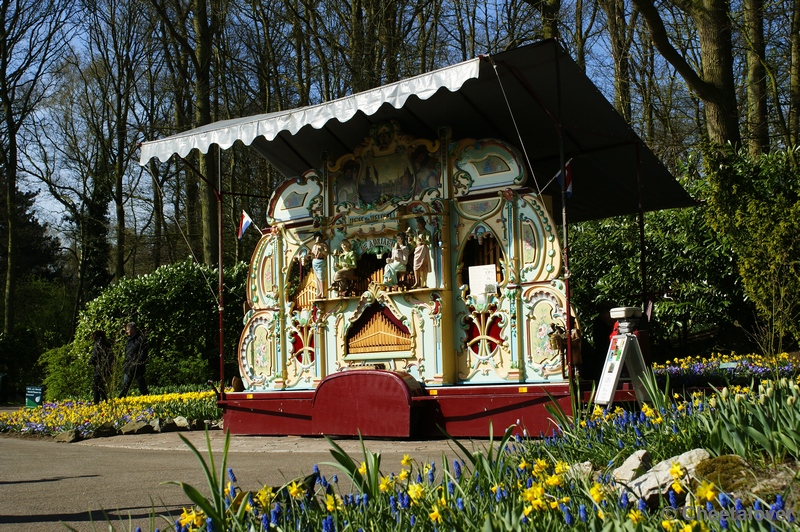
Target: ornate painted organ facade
(474,304)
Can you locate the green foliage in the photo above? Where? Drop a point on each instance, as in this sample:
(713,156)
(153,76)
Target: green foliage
(73,378)
(665,427)
(757,426)
(368,476)
(689,272)
(43,310)
(215,508)
(202,406)
(176,308)
(520,485)
(755,205)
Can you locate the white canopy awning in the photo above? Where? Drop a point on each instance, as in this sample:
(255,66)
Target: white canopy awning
(534,97)
(226,132)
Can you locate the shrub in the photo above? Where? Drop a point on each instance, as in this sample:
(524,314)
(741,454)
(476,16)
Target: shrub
(176,309)
(755,206)
(73,378)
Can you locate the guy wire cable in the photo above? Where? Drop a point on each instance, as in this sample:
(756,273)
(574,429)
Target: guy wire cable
(185,239)
(514,120)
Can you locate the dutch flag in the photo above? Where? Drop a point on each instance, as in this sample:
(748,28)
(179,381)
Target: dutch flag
(568,172)
(244,223)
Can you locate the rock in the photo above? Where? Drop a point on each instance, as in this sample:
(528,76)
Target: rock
(68,436)
(182,423)
(105,430)
(168,425)
(156,424)
(136,427)
(580,471)
(635,466)
(656,481)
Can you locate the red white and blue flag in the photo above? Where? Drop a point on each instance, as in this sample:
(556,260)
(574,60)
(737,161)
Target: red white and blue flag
(244,223)
(568,173)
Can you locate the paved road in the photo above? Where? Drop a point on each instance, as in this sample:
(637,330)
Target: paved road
(46,485)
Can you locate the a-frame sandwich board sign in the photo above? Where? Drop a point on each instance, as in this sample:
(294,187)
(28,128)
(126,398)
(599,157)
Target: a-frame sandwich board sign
(623,350)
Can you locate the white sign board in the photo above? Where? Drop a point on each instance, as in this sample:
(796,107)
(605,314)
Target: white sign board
(624,350)
(483,279)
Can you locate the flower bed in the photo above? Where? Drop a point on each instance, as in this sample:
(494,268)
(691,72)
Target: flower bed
(552,482)
(724,370)
(563,480)
(53,418)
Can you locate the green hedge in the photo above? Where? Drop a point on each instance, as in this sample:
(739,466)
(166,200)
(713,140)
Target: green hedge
(176,308)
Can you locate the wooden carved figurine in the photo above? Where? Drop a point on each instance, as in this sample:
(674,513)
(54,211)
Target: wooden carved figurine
(422,261)
(319,263)
(345,265)
(397,261)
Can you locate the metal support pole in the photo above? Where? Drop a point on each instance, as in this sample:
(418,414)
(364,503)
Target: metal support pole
(220,259)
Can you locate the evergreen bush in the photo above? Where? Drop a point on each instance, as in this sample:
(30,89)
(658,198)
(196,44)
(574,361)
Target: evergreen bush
(176,309)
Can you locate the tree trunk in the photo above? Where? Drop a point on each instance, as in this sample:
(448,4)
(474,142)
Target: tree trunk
(794,72)
(551,11)
(716,84)
(11,222)
(757,122)
(119,174)
(204,31)
(621,36)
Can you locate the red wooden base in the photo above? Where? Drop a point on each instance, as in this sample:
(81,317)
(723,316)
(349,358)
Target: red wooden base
(385,404)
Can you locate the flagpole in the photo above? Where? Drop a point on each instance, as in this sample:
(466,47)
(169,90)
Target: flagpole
(565,232)
(253,223)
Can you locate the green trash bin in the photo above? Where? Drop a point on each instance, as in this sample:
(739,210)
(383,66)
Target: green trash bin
(33,396)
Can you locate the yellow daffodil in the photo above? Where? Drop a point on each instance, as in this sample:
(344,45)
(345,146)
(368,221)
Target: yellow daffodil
(385,484)
(706,492)
(406,461)
(596,492)
(333,503)
(636,516)
(561,467)
(416,491)
(538,504)
(192,518)
(540,465)
(403,474)
(435,515)
(296,490)
(534,492)
(553,481)
(676,470)
(362,469)
(264,497)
